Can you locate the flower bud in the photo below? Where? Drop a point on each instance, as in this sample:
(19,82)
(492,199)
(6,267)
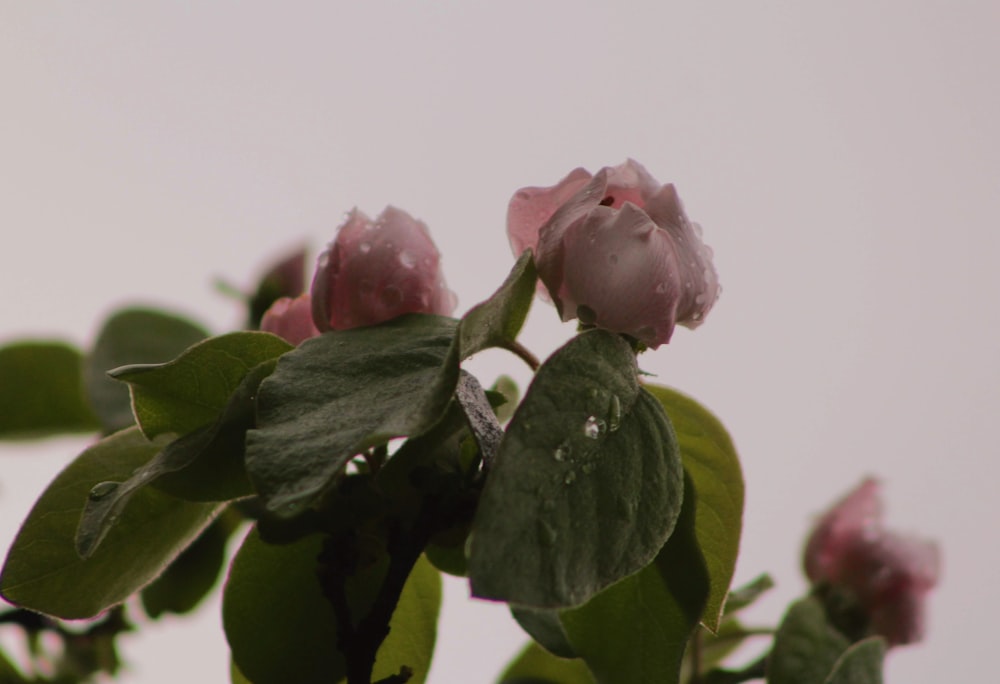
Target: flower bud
(616,250)
(290,319)
(870,572)
(376,270)
(285,278)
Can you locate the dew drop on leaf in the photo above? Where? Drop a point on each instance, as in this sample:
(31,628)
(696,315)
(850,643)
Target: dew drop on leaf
(101,490)
(562,452)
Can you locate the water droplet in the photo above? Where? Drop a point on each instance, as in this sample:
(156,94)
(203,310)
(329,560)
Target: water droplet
(101,490)
(324,261)
(392,297)
(696,316)
(700,299)
(570,477)
(594,427)
(588,468)
(407,260)
(562,452)
(615,413)
(365,247)
(688,284)
(661,288)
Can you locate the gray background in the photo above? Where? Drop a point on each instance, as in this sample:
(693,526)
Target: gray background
(842,158)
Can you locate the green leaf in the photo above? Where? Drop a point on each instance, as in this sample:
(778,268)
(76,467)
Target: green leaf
(535,665)
(132,336)
(711,460)
(205,465)
(413,628)
(860,664)
(235,676)
(192,390)
(806,647)
(8,673)
(190,577)
(41,391)
(281,628)
(43,571)
(636,631)
(340,393)
(497,321)
(587,484)
(279,625)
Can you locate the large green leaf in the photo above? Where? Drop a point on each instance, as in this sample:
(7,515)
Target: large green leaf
(860,664)
(711,460)
(192,390)
(806,647)
(535,665)
(41,391)
(587,484)
(281,628)
(132,336)
(636,631)
(340,393)
(43,571)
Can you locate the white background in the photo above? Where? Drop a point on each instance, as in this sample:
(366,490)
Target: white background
(842,158)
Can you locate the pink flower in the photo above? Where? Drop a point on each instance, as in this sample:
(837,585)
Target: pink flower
(290,319)
(375,271)
(616,250)
(884,574)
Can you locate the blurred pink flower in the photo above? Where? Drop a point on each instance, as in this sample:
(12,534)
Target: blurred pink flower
(885,574)
(290,319)
(616,250)
(376,270)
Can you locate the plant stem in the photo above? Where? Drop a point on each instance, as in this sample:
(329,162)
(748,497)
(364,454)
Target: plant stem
(524,353)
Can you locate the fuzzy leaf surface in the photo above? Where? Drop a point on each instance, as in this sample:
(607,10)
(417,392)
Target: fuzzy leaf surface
(340,393)
(587,483)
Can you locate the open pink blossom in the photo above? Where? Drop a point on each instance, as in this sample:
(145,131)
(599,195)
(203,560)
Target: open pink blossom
(376,270)
(885,574)
(616,250)
(290,319)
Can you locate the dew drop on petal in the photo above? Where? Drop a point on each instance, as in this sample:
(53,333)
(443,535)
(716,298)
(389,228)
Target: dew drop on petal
(365,247)
(570,477)
(661,288)
(700,299)
(407,260)
(588,468)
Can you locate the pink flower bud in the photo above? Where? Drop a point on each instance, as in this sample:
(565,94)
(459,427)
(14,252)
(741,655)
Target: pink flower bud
(883,574)
(617,250)
(290,319)
(375,271)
